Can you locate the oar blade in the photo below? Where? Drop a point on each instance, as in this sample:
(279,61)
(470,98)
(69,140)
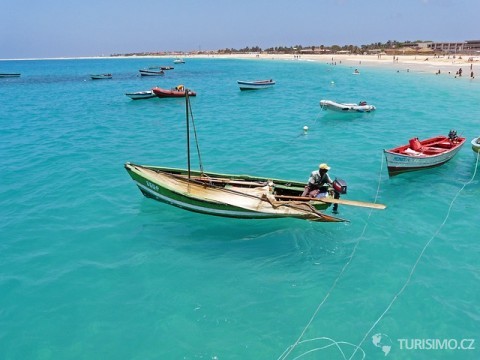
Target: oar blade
(354,203)
(335,201)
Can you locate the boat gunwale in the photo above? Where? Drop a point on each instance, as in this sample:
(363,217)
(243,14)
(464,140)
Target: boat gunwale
(213,183)
(427,143)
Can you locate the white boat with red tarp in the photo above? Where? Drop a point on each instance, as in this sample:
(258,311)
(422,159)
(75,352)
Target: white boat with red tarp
(255,85)
(423,154)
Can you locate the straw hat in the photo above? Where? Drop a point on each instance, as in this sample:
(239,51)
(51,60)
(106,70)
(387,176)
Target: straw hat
(324,167)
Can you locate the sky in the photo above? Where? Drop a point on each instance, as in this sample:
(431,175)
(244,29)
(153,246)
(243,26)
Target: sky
(66,28)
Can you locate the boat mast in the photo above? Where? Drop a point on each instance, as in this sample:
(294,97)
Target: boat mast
(188,130)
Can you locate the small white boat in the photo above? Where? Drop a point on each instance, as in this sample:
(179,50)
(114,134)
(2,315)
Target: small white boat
(179,61)
(5,75)
(151,72)
(101,76)
(141,95)
(476,144)
(361,107)
(255,85)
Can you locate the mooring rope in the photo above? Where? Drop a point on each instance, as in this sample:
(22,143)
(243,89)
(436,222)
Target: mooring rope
(195,134)
(330,344)
(412,271)
(334,284)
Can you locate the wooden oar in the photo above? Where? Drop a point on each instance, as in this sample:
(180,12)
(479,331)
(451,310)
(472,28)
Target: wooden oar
(334,201)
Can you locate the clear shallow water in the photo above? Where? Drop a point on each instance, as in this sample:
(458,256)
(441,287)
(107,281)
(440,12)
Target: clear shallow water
(89,268)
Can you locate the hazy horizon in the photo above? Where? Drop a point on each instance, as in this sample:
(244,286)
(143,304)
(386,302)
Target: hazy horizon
(57,29)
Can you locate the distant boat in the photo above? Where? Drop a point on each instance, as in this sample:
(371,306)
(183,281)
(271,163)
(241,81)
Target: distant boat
(159,68)
(255,85)
(5,75)
(179,61)
(476,144)
(178,91)
(101,76)
(346,108)
(151,72)
(141,95)
(418,155)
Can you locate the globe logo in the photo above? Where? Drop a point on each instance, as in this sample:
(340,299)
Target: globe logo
(383,342)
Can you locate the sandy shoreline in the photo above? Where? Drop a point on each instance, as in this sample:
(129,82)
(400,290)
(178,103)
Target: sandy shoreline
(413,63)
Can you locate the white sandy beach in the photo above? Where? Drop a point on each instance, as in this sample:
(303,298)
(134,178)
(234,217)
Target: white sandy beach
(447,65)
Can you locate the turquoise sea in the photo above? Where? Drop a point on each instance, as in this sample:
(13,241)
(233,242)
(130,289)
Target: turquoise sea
(91,269)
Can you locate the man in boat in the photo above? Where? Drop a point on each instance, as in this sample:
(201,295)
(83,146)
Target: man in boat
(319,183)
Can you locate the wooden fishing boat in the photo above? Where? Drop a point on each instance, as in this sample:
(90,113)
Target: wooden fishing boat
(138,95)
(178,91)
(101,76)
(476,144)
(151,72)
(236,196)
(424,154)
(361,107)
(9,75)
(255,85)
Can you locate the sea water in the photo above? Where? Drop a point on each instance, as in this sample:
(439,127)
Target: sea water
(91,269)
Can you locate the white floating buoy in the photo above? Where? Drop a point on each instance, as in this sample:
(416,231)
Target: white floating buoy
(333,82)
(305,129)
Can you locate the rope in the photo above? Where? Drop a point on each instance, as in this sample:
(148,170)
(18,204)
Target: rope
(332,343)
(334,284)
(310,122)
(412,271)
(196,137)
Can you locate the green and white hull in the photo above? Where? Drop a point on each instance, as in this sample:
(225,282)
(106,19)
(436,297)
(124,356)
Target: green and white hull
(235,196)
